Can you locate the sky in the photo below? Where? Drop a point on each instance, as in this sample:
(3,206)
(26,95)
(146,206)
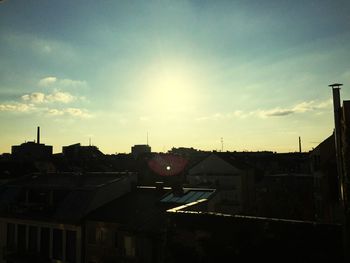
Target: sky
(187,73)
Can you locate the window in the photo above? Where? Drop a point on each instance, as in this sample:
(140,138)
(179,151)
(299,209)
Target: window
(21,237)
(129,246)
(91,235)
(45,242)
(71,246)
(11,235)
(33,239)
(57,247)
(101,235)
(116,239)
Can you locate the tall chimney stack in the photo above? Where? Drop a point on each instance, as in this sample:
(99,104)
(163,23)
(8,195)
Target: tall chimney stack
(337,134)
(38,135)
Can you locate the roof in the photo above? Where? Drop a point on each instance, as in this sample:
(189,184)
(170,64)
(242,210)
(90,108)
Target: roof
(88,181)
(60,197)
(143,209)
(139,210)
(189,196)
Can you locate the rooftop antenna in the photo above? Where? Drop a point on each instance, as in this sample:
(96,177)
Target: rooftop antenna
(299,144)
(222,144)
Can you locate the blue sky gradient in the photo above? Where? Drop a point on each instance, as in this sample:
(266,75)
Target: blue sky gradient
(187,72)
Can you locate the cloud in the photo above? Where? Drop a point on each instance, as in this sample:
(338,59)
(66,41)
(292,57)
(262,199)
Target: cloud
(35,97)
(77,112)
(16,107)
(61,83)
(48,81)
(275,112)
(55,112)
(302,107)
(72,83)
(56,96)
(74,112)
(59,96)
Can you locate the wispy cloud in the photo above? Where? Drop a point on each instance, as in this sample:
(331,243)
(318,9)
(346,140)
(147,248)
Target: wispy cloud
(303,107)
(16,107)
(52,81)
(56,96)
(48,81)
(74,112)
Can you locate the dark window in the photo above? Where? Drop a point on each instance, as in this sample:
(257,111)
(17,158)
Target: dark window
(116,239)
(21,237)
(45,242)
(71,246)
(91,233)
(33,238)
(11,235)
(57,241)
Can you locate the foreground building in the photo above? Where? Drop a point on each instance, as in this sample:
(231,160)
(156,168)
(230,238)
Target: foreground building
(42,216)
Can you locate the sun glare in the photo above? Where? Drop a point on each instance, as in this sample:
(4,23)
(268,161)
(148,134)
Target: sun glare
(171,89)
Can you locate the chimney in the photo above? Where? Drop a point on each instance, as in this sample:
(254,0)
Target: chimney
(299,144)
(38,135)
(337,132)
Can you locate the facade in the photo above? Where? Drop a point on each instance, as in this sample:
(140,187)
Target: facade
(288,196)
(31,151)
(133,228)
(324,171)
(233,180)
(217,237)
(77,151)
(42,216)
(139,149)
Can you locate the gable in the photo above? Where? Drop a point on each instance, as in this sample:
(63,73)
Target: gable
(214,165)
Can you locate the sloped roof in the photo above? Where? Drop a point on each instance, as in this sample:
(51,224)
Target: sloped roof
(138,210)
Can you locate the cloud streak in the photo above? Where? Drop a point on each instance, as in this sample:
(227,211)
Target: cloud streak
(16,107)
(56,96)
(303,107)
(306,106)
(74,112)
(52,81)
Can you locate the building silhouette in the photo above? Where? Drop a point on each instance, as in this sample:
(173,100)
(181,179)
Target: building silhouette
(32,151)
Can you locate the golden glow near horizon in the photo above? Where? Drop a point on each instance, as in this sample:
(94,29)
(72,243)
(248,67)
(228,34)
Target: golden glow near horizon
(169,89)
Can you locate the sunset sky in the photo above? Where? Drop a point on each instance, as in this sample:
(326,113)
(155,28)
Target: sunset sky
(255,73)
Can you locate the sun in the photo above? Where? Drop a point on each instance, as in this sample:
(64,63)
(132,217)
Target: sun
(171,89)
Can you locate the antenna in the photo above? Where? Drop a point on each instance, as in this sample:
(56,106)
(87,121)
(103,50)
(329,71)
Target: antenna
(222,144)
(299,144)
(89,141)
